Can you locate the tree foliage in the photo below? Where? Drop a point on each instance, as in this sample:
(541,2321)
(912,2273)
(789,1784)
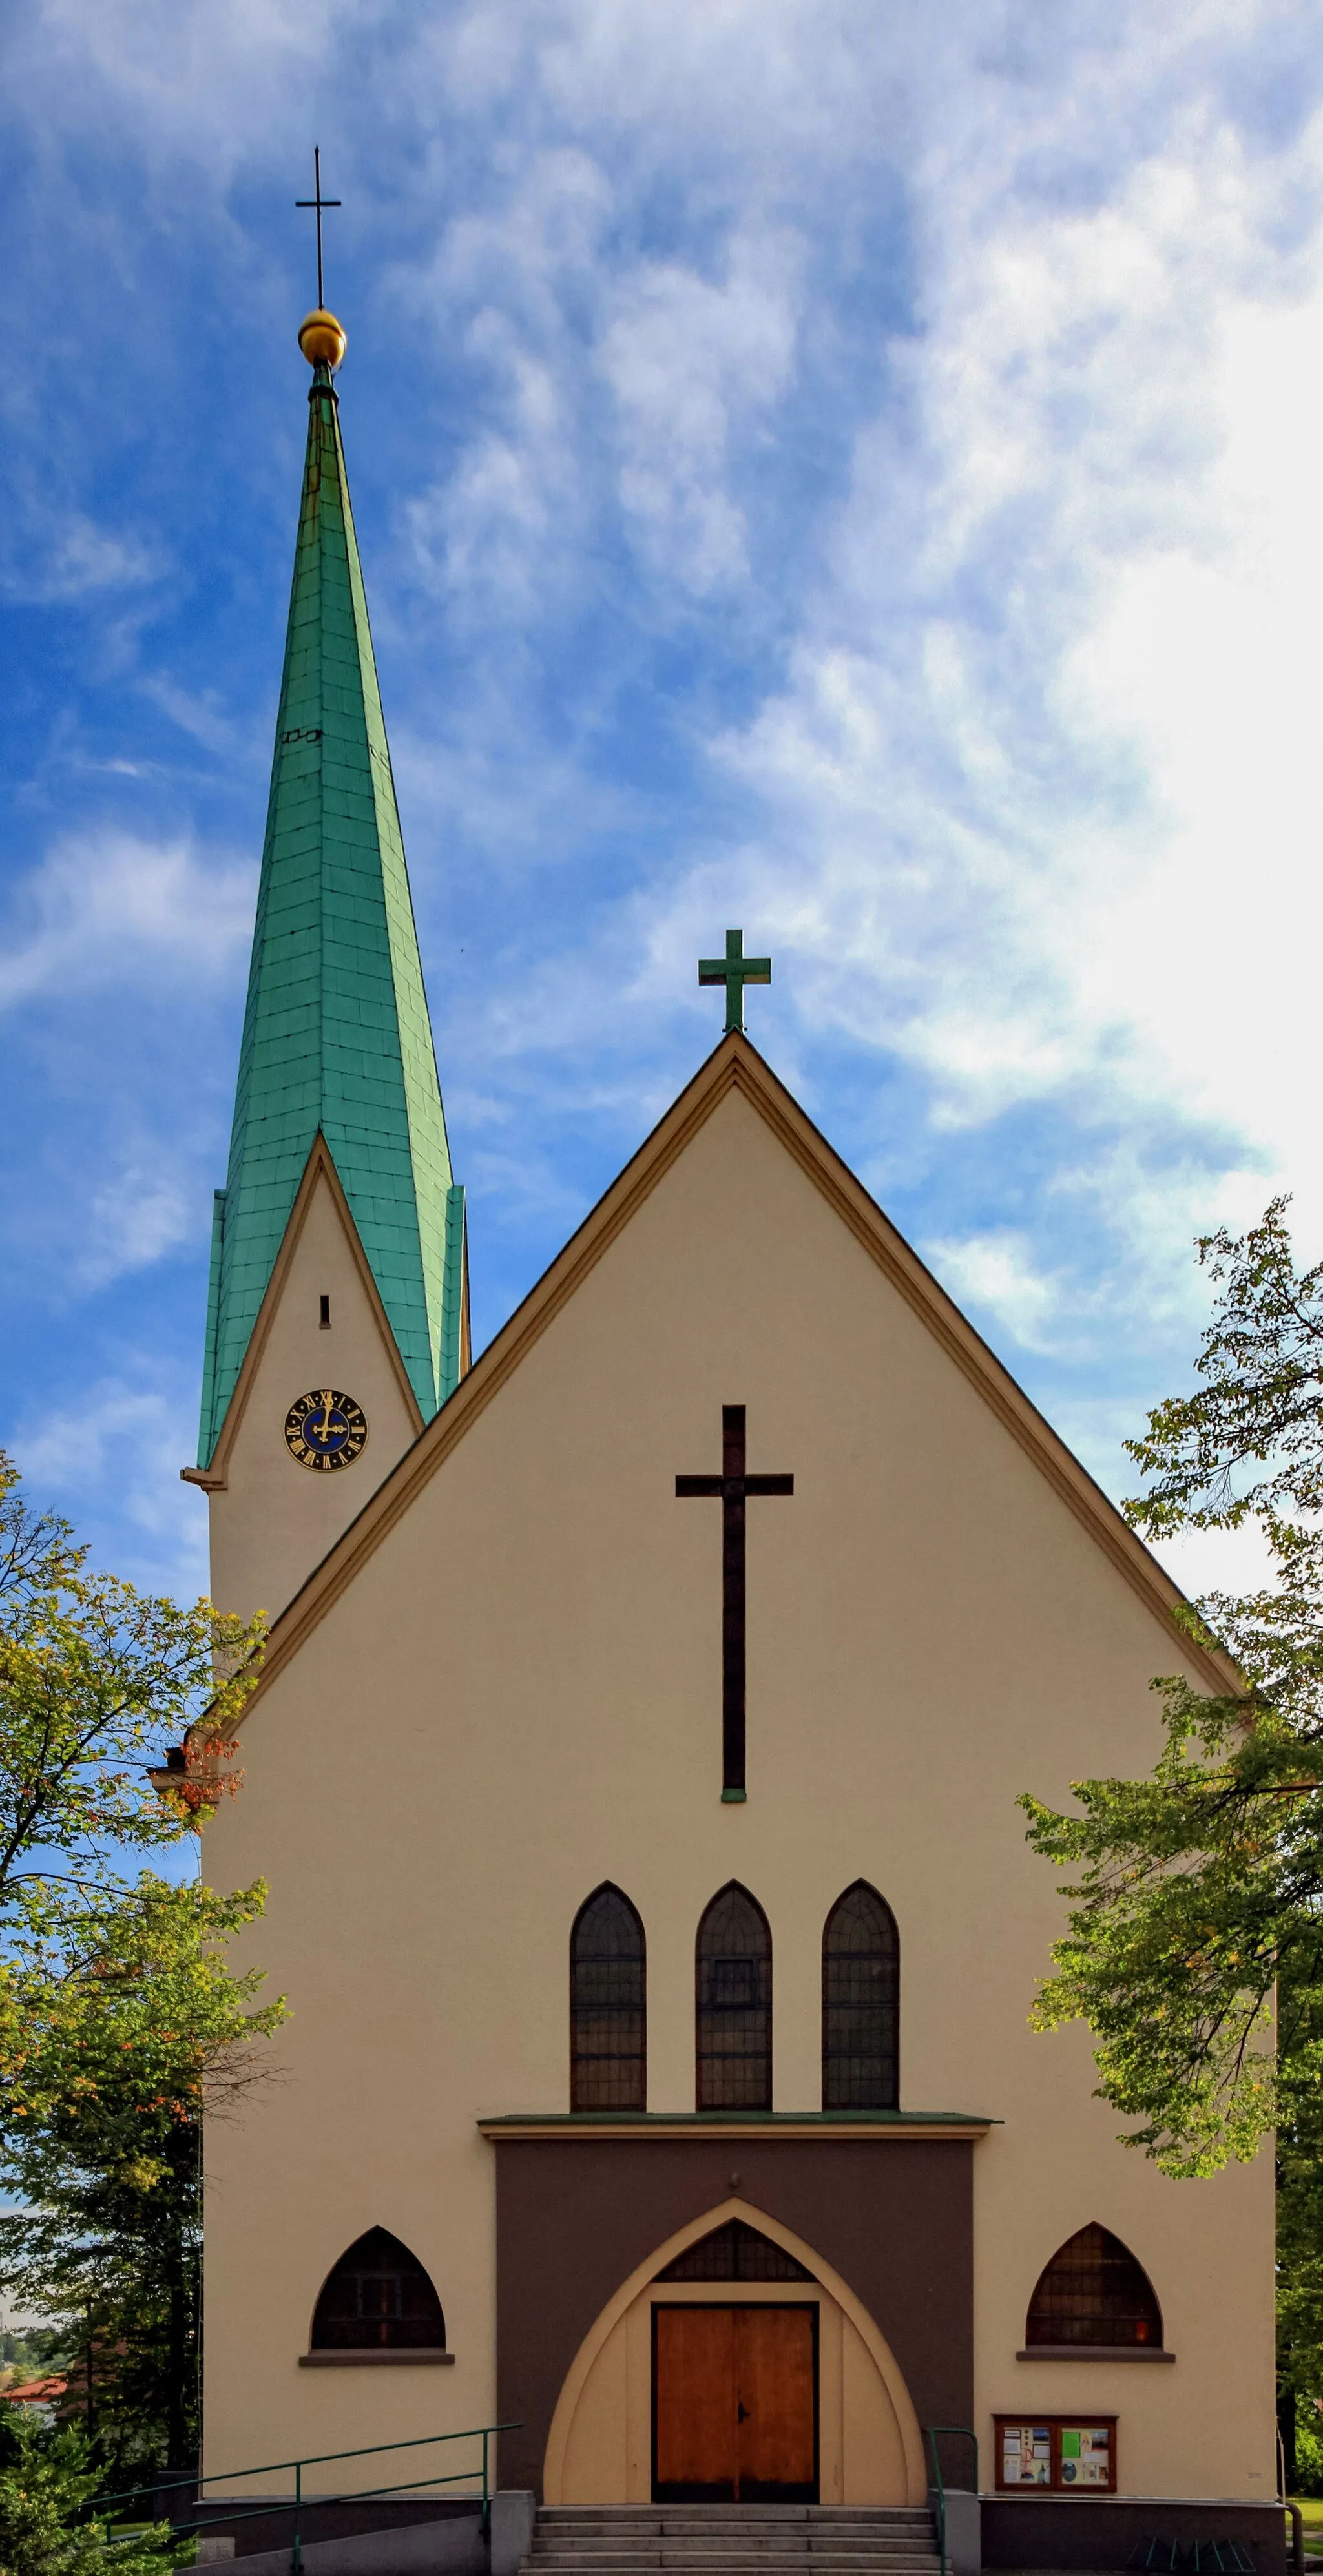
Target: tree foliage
(107,2062)
(120,2019)
(1197,1894)
(47,2478)
(95,1677)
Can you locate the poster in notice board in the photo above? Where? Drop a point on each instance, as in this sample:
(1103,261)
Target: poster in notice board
(1056,2454)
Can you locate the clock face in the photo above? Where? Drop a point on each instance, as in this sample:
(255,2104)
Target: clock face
(325,1430)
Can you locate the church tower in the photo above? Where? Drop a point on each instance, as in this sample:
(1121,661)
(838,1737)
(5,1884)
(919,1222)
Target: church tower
(337,1313)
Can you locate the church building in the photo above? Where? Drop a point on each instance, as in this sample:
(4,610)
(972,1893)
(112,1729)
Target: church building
(633,1770)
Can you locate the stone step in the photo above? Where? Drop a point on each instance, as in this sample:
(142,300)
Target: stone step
(772,2554)
(700,2556)
(734,2523)
(786,2544)
(783,2529)
(776,2533)
(732,2540)
(778,2545)
(736,2561)
(785,2541)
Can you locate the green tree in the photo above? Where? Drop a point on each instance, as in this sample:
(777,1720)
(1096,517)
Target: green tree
(119,2018)
(108,2058)
(94,1678)
(46,2480)
(34,2353)
(1194,1943)
(1196,1892)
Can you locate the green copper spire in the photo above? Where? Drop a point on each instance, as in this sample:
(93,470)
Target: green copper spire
(336,1034)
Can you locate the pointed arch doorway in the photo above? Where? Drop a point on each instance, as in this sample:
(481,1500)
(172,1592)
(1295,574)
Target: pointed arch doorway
(734,2365)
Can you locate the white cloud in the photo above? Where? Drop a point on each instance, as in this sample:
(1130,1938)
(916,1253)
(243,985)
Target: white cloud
(64,556)
(112,910)
(173,74)
(1204,1561)
(113,1457)
(689,363)
(485,530)
(147,1207)
(1207,661)
(197,713)
(995,1271)
(498,528)
(1046,777)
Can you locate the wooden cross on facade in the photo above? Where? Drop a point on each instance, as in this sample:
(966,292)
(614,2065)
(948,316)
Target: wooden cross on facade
(733,1486)
(734,970)
(318,202)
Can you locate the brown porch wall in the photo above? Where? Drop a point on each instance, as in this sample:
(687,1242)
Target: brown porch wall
(1102,2532)
(574,2217)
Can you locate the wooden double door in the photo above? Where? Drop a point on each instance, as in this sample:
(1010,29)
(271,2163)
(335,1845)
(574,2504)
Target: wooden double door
(735,2404)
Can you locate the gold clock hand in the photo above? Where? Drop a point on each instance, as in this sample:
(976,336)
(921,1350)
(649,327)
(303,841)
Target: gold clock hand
(322,1429)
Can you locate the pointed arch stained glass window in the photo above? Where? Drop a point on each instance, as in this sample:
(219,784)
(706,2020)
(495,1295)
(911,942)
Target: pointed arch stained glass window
(378,2298)
(735,2252)
(608,2006)
(860,2003)
(733,1977)
(1093,2292)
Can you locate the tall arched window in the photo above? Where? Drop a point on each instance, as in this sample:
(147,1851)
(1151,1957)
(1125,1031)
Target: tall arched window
(734,2004)
(860,2003)
(1094,2292)
(378,2298)
(608,2006)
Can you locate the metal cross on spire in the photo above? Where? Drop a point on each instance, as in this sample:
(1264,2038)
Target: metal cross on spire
(317,201)
(734,970)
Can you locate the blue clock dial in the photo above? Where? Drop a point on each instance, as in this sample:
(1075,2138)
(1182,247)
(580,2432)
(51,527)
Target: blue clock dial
(325,1430)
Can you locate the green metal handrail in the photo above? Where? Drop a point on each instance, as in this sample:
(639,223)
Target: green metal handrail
(969,2435)
(316,2460)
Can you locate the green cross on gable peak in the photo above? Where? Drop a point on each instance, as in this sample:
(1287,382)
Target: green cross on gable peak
(734,970)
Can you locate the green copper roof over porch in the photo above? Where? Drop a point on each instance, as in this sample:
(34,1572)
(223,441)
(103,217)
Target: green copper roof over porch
(336,1034)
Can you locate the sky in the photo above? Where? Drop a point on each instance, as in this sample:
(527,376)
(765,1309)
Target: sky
(849,472)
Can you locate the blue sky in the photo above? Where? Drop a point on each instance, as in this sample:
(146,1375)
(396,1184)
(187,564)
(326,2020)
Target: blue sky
(852,472)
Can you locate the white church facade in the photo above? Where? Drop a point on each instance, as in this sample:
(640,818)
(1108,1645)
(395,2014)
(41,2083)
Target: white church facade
(634,1772)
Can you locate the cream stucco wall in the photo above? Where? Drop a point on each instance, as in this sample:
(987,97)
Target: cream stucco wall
(518,1695)
(274,1520)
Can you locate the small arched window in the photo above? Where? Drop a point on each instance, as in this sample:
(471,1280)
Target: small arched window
(1094,2292)
(733,1977)
(860,2003)
(608,2006)
(735,2252)
(378,2298)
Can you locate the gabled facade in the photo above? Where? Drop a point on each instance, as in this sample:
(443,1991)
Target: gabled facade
(576,2081)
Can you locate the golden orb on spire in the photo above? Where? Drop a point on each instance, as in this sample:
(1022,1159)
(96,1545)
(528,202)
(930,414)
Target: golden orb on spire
(322,339)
